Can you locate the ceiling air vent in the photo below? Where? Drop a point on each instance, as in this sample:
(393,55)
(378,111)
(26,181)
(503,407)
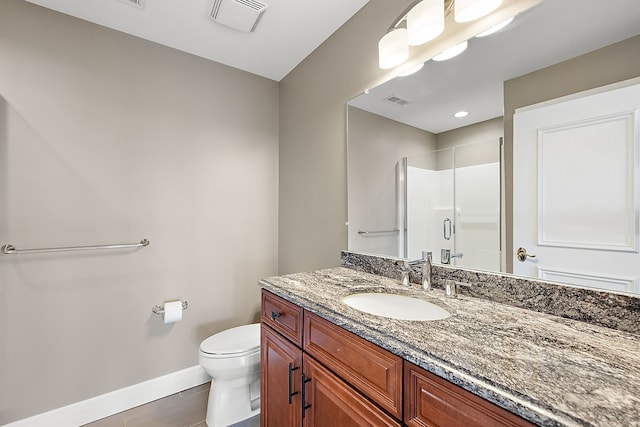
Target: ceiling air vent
(396,100)
(242,15)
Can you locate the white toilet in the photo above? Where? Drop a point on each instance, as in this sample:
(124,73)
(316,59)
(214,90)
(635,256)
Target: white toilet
(232,359)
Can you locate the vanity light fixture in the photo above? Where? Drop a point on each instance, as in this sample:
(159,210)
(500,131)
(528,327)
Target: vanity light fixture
(495,28)
(422,22)
(393,48)
(425,21)
(470,10)
(411,70)
(452,52)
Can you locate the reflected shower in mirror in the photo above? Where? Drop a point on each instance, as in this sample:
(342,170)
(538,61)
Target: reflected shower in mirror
(452,203)
(424,191)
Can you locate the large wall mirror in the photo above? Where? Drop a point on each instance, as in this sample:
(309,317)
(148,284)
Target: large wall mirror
(420,178)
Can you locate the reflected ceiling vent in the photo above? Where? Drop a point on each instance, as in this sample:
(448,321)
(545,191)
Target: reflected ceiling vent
(397,100)
(135,3)
(242,15)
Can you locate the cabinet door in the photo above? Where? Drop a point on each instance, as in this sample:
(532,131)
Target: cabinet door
(330,402)
(431,401)
(373,371)
(280,373)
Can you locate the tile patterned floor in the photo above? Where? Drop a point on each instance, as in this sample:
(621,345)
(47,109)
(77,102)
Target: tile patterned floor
(185,409)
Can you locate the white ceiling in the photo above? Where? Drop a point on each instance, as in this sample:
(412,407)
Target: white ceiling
(287,33)
(551,32)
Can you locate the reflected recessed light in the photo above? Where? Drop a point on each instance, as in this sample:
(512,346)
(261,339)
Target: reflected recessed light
(412,70)
(451,52)
(461,114)
(495,28)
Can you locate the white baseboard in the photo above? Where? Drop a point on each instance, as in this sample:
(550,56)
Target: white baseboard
(116,401)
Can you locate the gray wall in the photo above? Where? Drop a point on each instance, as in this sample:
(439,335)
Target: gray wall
(611,64)
(106,138)
(313,182)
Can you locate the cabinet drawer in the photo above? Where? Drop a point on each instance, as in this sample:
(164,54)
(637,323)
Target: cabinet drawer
(283,316)
(373,371)
(432,401)
(329,401)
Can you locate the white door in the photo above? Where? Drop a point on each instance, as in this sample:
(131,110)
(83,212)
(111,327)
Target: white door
(576,192)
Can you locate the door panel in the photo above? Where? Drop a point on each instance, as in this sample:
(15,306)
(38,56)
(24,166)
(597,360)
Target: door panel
(331,402)
(277,357)
(575,201)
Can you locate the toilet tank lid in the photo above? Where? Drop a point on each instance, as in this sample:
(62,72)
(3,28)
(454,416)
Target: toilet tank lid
(235,340)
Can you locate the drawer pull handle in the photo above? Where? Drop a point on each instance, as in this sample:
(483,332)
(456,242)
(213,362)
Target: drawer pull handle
(304,405)
(291,392)
(274,315)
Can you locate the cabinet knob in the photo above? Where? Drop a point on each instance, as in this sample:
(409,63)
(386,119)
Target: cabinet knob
(274,315)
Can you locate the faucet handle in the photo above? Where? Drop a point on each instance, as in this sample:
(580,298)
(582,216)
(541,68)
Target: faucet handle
(404,276)
(445,256)
(451,288)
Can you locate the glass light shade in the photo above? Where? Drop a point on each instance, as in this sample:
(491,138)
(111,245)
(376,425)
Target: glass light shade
(495,28)
(393,48)
(451,52)
(425,21)
(468,10)
(411,70)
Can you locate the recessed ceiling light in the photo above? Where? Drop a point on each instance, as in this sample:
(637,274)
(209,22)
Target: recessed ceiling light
(461,114)
(495,28)
(451,52)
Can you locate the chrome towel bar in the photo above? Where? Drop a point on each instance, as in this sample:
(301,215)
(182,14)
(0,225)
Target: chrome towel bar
(395,230)
(10,249)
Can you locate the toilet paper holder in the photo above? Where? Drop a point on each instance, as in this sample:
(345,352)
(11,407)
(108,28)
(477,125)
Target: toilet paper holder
(158,309)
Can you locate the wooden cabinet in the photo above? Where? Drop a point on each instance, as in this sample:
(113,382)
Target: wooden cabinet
(280,382)
(430,401)
(283,316)
(316,374)
(330,402)
(372,370)
(298,391)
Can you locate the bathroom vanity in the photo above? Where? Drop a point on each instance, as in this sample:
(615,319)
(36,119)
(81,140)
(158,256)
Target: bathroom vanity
(488,364)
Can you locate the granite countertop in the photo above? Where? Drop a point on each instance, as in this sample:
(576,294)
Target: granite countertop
(550,370)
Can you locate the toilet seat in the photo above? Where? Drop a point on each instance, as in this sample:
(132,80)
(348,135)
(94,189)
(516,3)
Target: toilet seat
(234,342)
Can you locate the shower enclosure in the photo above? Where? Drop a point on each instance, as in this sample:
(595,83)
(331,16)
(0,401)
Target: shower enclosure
(450,199)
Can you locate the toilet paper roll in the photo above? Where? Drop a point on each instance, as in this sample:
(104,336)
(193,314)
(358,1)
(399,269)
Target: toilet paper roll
(172,311)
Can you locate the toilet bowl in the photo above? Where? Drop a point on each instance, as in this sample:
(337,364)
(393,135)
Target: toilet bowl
(232,360)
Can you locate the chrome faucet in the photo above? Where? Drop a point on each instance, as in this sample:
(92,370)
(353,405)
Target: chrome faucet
(446,255)
(451,288)
(425,261)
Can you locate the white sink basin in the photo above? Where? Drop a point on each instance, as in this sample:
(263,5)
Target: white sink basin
(396,306)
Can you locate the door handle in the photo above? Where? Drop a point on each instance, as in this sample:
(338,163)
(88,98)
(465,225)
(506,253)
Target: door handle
(446,222)
(291,392)
(305,406)
(523,255)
